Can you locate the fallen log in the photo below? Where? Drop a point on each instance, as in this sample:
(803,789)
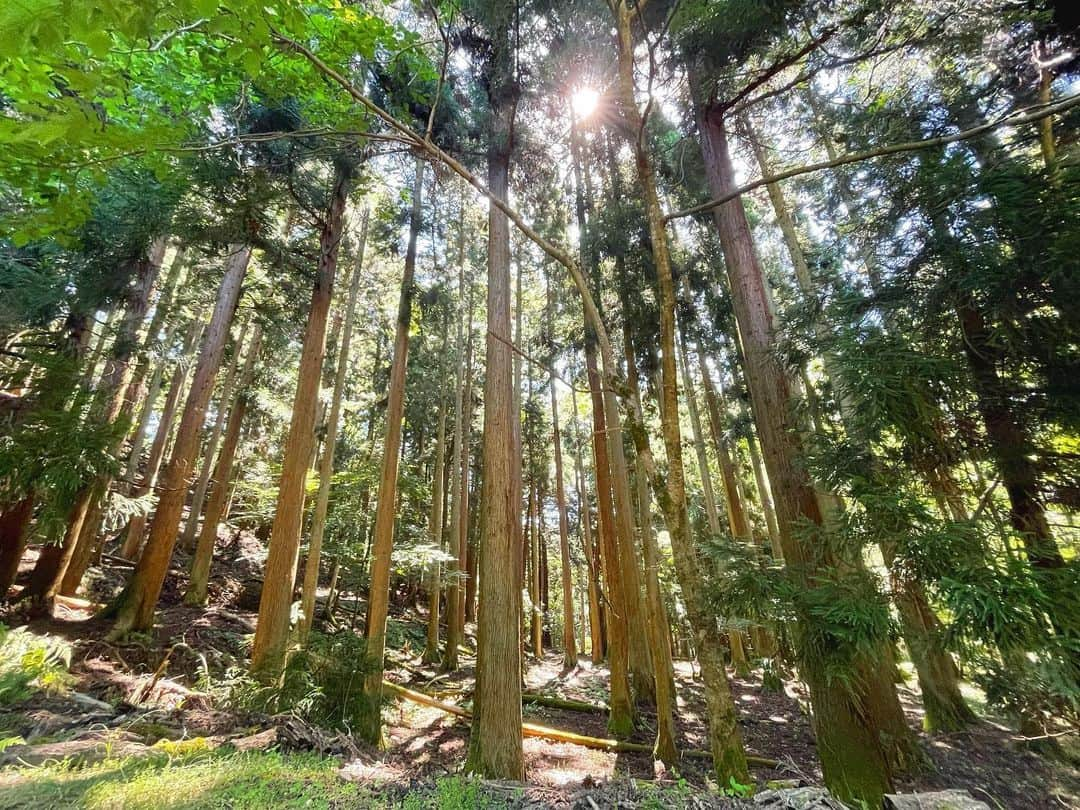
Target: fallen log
(563,703)
(558,735)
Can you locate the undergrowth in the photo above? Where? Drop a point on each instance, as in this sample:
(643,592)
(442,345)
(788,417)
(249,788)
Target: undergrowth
(29,661)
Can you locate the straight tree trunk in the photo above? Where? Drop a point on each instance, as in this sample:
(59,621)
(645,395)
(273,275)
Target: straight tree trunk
(495,742)
(854,758)
(939,680)
(137,527)
(621,717)
(275,603)
(187,539)
(133,609)
(435,521)
(729,758)
(459,601)
(386,503)
(569,644)
(114,402)
(596,620)
(326,465)
(199,577)
(657,627)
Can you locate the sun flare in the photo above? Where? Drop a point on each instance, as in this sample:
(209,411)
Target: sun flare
(584,101)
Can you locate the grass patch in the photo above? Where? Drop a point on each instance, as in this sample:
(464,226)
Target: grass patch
(215,780)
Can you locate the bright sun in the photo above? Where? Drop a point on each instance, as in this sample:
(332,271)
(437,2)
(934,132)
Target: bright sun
(584,101)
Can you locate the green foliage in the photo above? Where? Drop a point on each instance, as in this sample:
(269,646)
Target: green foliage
(29,661)
(321,684)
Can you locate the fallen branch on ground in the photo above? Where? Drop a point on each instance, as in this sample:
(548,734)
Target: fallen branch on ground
(563,703)
(557,735)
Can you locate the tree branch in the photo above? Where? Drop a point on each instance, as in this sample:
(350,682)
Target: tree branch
(1026,115)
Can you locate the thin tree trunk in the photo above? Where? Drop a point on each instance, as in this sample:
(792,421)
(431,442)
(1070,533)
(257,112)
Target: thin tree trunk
(569,645)
(729,758)
(326,466)
(187,539)
(596,622)
(386,503)
(133,609)
(621,718)
(275,603)
(137,527)
(657,627)
(435,519)
(712,514)
(199,577)
(459,481)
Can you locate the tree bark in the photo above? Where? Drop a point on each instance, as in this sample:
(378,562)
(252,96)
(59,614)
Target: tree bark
(275,603)
(133,609)
(187,539)
(435,520)
(729,758)
(386,503)
(569,644)
(854,760)
(495,747)
(199,577)
(137,527)
(326,465)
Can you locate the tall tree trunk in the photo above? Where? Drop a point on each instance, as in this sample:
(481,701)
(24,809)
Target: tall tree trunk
(435,518)
(854,758)
(137,527)
(568,641)
(199,577)
(712,514)
(326,465)
(495,748)
(462,583)
(386,503)
(187,539)
(596,621)
(729,759)
(621,717)
(114,402)
(133,609)
(275,603)
(657,627)
(939,679)
(162,309)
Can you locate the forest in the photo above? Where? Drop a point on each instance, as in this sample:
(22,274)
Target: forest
(540,403)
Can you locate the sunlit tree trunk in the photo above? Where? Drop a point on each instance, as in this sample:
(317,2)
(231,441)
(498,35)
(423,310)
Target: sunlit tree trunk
(199,577)
(729,759)
(495,747)
(458,598)
(162,309)
(114,402)
(210,446)
(326,465)
(854,756)
(596,622)
(275,603)
(133,609)
(658,630)
(137,527)
(621,717)
(435,519)
(386,503)
(568,642)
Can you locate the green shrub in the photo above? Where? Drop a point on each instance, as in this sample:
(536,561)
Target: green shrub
(29,661)
(322,684)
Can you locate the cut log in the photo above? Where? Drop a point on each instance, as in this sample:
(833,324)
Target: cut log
(557,735)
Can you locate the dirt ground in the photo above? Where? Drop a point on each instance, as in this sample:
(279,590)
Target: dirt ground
(157,679)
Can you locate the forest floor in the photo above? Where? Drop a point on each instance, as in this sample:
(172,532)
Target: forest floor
(138,727)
